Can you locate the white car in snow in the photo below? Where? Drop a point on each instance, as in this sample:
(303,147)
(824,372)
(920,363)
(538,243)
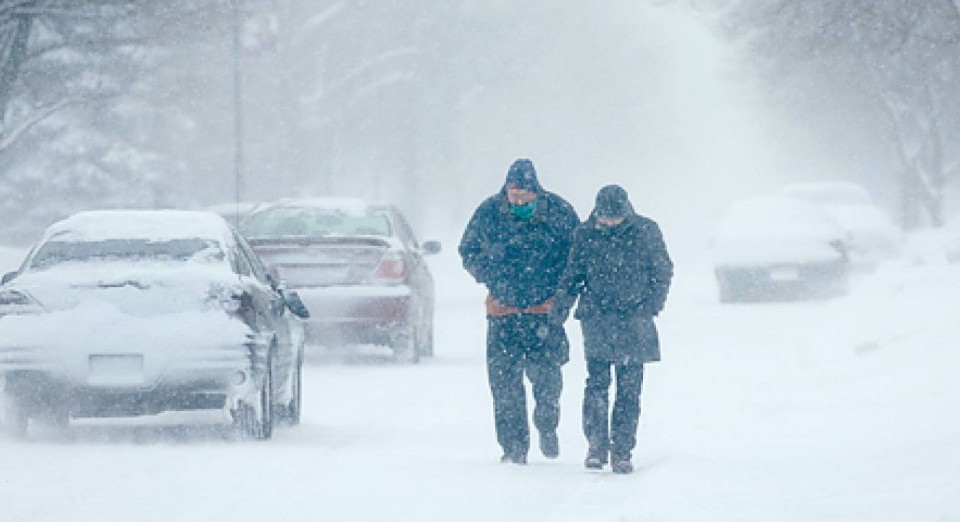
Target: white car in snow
(775,247)
(127,313)
(873,236)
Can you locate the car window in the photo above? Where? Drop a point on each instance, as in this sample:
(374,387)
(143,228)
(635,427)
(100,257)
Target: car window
(192,250)
(256,264)
(239,262)
(315,222)
(405,232)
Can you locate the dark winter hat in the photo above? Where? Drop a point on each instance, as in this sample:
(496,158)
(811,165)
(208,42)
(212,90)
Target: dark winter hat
(612,203)
(522,175)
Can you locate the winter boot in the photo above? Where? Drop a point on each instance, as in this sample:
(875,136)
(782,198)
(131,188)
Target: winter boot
(513,457)
(549,444)
(621,464)
(596,458)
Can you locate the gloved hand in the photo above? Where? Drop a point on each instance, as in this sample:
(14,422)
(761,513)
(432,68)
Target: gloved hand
(543,332)
(552,326)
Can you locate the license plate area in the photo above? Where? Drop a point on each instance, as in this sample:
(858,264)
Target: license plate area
(115,370)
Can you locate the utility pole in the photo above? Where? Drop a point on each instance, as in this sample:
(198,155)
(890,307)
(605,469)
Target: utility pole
(237,106)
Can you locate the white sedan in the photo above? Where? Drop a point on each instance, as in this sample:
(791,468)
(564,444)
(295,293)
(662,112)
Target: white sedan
(127,313)
(775,247)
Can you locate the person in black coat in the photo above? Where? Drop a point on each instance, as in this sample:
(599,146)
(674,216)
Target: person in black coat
(516,244)
(620,271)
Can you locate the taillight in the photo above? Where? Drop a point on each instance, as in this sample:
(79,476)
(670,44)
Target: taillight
(235,302)
(392,268)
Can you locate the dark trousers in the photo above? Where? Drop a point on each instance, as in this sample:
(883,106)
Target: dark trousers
(513,349)
(617,432)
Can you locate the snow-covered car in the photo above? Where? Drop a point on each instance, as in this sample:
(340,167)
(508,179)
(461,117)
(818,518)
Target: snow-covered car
(873,236)
(121,313)
(357,266)
(776,247)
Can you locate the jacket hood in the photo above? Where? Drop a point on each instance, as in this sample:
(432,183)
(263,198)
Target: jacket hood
(522,174)
(612,202)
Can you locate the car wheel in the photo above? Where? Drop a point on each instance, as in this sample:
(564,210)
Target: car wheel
(296,399)
(427,341)
(263,425)
(426,335)
(406,347)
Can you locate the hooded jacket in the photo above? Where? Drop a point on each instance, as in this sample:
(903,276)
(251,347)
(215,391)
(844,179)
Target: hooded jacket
(519,260)
(621,275)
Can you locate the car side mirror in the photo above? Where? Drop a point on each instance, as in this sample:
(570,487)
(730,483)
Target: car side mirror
(295,305)
(431,247)
(8,277)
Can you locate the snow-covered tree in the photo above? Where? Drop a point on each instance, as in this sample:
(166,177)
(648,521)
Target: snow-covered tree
(83,108)
(900,58)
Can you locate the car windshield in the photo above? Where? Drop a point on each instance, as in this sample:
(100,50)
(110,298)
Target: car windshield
(191,249)
(315,222)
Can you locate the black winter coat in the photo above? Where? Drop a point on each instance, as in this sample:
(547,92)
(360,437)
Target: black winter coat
(519,261)
(621,275)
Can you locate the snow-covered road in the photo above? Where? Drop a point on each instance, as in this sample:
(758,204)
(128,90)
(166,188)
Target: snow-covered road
(841,410)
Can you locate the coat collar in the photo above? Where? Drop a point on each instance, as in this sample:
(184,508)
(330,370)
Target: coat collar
(539,216)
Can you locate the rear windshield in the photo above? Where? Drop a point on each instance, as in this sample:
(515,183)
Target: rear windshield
(193,250)
(310,222)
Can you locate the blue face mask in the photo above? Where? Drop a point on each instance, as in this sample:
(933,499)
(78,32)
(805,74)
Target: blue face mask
(524,212)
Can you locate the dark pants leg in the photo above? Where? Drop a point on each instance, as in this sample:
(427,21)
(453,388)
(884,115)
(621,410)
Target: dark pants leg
(626,410)
(619,431)
(596,404)
(512,349)
(546,378)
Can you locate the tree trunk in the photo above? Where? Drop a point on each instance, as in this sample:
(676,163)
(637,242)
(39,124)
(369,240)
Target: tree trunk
(14,57)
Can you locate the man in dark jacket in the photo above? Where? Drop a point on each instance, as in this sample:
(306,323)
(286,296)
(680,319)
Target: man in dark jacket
(516,244)
(620,271)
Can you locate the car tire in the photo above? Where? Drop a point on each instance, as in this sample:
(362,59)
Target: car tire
(295,407)
(263,425)
(256,421)
(406,347)
(426,335)
(427,342)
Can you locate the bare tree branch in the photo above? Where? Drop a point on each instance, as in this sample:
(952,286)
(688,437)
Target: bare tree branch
(10,138)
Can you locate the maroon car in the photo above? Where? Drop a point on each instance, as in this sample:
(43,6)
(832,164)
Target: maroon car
(357,267)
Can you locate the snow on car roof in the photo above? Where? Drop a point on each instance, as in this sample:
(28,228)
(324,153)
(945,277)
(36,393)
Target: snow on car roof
(344,204)
(772,215)
(155,225)
(828,192)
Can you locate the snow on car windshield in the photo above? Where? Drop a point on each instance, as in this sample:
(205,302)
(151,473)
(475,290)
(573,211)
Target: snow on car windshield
(315,222)
(190,249)
(828,193)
